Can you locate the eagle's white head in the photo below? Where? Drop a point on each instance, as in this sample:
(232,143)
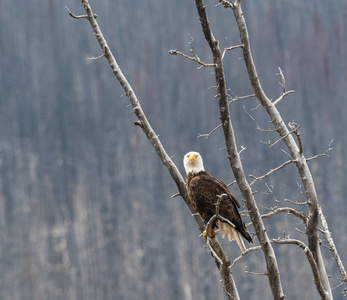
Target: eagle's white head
(193,163)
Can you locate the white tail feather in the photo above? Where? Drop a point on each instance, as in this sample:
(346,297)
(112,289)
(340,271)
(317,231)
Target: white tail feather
(232,234)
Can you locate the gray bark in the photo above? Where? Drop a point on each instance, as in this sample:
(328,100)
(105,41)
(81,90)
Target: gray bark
(295,151)
(235,160)
(222,263)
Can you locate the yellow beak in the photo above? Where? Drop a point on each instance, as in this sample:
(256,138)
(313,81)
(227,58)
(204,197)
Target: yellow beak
(193,157)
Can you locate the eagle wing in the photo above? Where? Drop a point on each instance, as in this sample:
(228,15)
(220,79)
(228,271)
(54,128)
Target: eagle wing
(203,191)
(226,191)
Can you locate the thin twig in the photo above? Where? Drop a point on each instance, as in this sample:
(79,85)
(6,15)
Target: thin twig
(230,48)
(95,58)
(256,123)
(283,84)
(236,98)
(280,139)
(225,3)
(196,59)
(257,274)
(79,17)
(295,202)
(214,254)
(256,248)
(216,216)
(271,171)
(280,98)
(207,135)
(322,154)
(295,129)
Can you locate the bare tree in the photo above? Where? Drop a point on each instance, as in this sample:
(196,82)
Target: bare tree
(220,257)
(290,135)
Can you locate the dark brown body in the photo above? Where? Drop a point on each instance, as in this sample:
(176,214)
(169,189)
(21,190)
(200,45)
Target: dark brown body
(203,190)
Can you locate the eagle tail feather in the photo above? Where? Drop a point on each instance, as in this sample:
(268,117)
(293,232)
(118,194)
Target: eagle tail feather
(232,234)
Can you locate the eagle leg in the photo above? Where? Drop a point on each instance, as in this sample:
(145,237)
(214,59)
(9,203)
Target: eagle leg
(213,234)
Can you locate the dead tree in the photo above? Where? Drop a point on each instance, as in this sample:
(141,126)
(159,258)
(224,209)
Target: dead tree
(221,260)
(234,156)
(288,134)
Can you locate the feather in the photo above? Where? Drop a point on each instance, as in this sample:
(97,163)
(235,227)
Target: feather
(232,234)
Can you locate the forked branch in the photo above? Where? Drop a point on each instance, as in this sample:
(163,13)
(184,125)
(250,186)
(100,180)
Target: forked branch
(311,260)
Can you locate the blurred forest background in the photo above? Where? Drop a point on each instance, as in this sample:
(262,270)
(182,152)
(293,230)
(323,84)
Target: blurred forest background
(85,204)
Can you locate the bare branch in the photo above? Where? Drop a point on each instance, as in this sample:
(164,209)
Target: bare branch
(311,260)
(242,149)
(236,98)
(79,17)
(295,202)
(95,58)
(231,183)
(283,79)
(322,154)
(332,246)
(216,216)
(225,3)
(248,250)
(175,195)
(137,109)
(287,210)
(196,59)
(207,135)
(283,84)
(257,125)
(230,48)
(295,129)
(280,98)
(223,264)
(214,254)
(233,155)
(256,274)
(286,153)
(271,171)
(280,139)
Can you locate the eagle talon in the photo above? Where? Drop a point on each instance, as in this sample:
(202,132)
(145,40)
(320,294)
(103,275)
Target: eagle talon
(212,234)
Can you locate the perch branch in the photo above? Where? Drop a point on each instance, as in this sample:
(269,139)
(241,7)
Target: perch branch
(217,216)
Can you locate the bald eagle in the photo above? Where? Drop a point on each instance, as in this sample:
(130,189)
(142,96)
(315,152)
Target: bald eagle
(204,189)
